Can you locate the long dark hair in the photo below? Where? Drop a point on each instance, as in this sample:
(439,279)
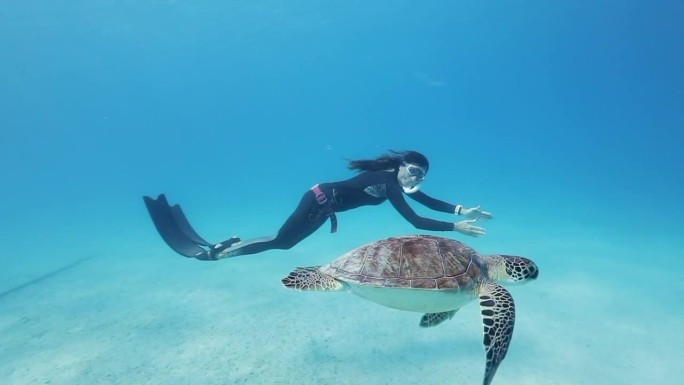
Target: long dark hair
(393,159)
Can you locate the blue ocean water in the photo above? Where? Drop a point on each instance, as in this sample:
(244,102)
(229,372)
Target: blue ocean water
(562,118)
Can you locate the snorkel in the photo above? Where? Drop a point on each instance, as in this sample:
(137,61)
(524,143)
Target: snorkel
(412,189)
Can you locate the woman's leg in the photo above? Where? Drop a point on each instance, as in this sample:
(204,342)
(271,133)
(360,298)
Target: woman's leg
(307,218)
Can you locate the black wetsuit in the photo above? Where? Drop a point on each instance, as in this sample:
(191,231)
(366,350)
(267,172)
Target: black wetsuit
(367,188)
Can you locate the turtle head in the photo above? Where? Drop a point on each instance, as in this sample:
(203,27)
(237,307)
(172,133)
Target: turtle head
(510,269)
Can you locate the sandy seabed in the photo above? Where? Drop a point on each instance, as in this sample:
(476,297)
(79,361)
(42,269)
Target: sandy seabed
(157,318)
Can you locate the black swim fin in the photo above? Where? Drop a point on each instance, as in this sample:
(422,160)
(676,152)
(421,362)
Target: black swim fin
(184,226)
(175,229)
(171,232)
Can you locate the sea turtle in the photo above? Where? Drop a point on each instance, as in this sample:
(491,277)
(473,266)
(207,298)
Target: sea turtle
(431,275)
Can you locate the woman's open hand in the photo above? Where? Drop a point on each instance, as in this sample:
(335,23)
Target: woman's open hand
(465,227)
(476,213)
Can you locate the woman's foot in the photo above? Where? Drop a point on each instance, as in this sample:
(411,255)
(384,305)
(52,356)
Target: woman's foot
(215,250)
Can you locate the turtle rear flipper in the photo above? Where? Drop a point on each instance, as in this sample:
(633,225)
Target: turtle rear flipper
(434,319)
(498,318)
(310,278)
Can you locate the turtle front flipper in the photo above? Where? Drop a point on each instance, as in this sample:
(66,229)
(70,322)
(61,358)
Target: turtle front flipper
(310,278)
(498,318)
(434,319)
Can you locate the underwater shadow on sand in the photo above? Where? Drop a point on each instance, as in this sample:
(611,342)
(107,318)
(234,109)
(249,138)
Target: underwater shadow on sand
(43,277)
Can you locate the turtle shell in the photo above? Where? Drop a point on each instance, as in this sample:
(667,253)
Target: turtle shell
(413,261)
